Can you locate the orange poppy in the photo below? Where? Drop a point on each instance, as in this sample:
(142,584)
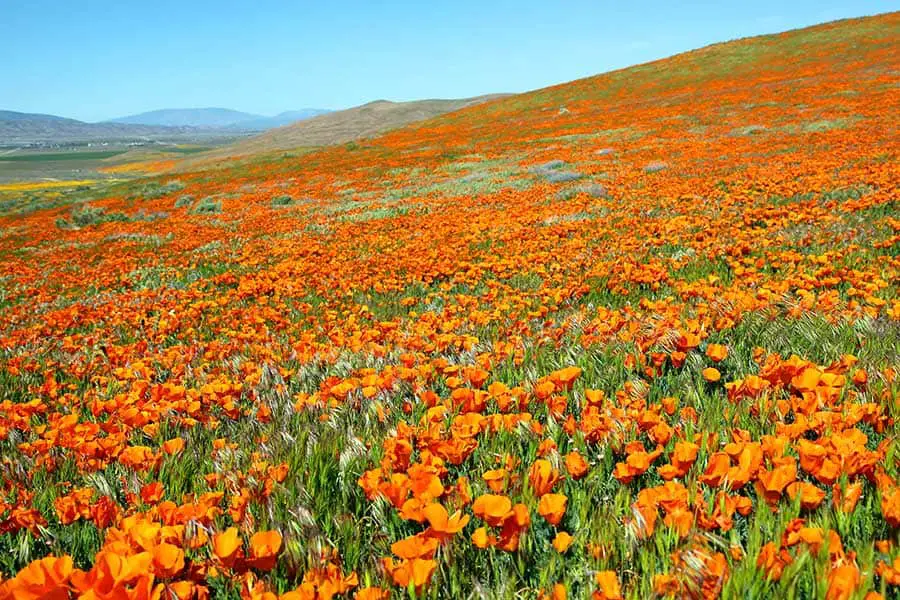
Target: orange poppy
(607,586)
(542,476)
(227,545)
(562,541)
(716,352)
(442,524)
(576,466)
(552,507)
(711,374)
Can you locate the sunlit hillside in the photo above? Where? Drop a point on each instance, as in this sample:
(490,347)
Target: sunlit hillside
(632,336)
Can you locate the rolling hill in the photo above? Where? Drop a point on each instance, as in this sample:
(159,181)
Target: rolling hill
(281,119)
(342,126)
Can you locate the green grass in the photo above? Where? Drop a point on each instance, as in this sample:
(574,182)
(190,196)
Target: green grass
(60,156)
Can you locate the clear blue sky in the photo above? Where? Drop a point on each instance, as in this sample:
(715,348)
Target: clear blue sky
(93,59)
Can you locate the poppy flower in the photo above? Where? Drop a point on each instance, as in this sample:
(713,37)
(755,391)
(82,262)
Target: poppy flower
(43,578)
(542,476)
(716,352)
(846,498)
(415,572)
(442,524)
(576,466)
(416,546)
(711,374)
(493,509)
(607,586)
(843,581)
(552,507)
(562,541)
(564,378)
(496,479)
(173,446)
(227,545)
(481,538)
(636,463)
(168,560)
(772,483)
(810,496)
(152,492)
(558,592)
(682,459)
(264,549)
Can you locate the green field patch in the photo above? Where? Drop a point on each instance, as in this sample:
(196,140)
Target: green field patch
(60,156)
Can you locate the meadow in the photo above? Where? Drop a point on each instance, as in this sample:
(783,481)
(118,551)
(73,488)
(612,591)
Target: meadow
(632,336)
(80,163)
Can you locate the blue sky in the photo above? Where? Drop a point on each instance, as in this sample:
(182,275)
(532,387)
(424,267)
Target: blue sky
(93,60)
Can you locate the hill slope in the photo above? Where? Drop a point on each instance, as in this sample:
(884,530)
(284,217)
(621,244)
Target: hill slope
(634,336)
(345,125)
(281,119)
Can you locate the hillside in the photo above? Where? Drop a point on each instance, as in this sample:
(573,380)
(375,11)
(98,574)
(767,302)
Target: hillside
(632,336)
(281,119)
(342,126)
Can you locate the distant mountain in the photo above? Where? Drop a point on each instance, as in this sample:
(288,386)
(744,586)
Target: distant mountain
(217,118)
(189,117)
(17,128)
(11,115)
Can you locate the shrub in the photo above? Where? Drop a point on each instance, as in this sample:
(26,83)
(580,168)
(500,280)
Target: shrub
(566,194)
(283,200)
(153,216)
(86,215)
(151,191)
(562,176)
(749,130)
(551,165)
(594,190)
(207,206)
(184,201)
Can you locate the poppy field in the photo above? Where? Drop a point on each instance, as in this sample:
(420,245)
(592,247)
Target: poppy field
(633,336)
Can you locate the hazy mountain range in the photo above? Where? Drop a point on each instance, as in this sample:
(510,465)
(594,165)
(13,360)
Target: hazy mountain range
(34,128)
(18,128)
(217,118)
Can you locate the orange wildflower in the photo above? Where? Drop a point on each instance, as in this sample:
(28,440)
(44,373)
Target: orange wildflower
(576,466)
(542,476)
(264,549)
(562,541)
(552,507)
(607,586)
(716,352)
(227,545)
(711,374)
